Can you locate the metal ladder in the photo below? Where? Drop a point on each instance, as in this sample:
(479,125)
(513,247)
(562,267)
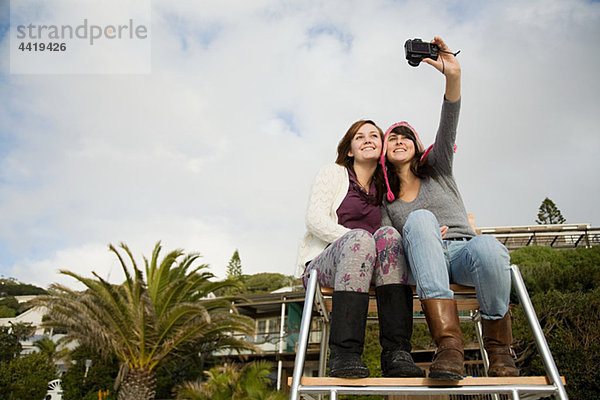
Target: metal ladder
(514,386)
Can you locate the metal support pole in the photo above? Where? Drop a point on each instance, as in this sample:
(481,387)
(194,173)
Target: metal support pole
(323,349)
(538,334)
(515,394)
(324,333)
(303,338)
(281,340)
(587,239)
(476,317)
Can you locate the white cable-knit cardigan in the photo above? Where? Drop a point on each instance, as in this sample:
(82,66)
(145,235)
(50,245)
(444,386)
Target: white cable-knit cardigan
(328,191)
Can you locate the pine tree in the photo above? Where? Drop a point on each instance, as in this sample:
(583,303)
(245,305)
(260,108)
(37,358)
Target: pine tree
(549,213)
(234,268)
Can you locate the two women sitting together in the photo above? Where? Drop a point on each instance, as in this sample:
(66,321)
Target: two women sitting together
(419,234)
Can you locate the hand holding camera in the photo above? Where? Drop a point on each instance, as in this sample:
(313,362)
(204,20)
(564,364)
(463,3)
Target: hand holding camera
(438,55)
(416,50)
(435,53)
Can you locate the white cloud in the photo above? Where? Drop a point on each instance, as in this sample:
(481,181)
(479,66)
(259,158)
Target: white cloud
(216,148)
(81,260)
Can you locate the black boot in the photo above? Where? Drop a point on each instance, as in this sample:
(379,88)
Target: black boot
(347,336)
(395,309)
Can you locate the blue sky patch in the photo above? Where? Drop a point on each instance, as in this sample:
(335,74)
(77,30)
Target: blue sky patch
(288,118)
(344,38)
(7,259)
(4,28)
(191,32)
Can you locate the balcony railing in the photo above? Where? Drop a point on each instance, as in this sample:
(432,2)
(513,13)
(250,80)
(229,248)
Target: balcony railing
(562,236)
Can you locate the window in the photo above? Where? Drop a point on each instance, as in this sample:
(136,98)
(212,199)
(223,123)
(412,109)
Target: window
(267,330)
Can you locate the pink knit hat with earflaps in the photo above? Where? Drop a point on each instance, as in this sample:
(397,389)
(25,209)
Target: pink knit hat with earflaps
(390,195)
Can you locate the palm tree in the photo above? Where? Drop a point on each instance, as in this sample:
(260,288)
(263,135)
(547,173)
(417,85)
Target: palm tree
(230,382)
(50,349)
(144,323)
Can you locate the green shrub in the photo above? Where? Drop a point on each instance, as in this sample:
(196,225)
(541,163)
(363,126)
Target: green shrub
(266,282)
(544,268)
(7,312)
(101,376)
(25,378)
(571,325)
(564,286)
(12,287)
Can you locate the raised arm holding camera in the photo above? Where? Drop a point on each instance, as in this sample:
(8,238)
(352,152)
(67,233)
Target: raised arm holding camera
(425,206)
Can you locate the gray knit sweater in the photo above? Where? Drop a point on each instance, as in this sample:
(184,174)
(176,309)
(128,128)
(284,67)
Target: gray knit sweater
(439,193)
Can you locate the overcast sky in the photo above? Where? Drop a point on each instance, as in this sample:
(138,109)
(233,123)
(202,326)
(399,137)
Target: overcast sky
(216,148)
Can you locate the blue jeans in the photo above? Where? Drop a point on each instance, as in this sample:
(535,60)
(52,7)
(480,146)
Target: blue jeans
(482,262)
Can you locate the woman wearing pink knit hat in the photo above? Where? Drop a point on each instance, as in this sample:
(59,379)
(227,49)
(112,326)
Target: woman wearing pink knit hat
(441,247)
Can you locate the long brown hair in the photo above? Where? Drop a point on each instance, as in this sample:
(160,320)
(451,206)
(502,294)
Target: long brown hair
(343,159)
(420,168)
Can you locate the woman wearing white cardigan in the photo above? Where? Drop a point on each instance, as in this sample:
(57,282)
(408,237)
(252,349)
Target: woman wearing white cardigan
(345,245)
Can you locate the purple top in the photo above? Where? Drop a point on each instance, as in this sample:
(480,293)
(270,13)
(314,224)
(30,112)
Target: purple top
(359,209)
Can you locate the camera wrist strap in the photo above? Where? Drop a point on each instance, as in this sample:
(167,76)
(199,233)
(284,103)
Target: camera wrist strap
(447,52)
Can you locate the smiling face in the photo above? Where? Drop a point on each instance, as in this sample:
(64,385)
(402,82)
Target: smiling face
(400,148)
(366,144)
(363,139)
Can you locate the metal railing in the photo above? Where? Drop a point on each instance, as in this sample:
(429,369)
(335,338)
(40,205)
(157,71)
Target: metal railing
(563,236)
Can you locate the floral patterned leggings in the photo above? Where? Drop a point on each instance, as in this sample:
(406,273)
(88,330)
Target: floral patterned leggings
(358,259)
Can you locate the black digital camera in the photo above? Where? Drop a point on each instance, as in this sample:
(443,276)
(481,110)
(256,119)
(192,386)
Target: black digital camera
(416,50)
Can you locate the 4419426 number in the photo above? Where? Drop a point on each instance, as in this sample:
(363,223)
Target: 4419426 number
(50,46)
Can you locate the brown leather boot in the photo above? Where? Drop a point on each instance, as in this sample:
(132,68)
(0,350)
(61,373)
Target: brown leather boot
(442,319)
(497,337)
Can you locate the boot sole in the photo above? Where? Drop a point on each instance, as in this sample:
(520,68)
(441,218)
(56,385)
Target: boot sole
(445,375)
(405,373)
(349,374)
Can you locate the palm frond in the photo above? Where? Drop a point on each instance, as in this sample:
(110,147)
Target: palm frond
(145,321)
